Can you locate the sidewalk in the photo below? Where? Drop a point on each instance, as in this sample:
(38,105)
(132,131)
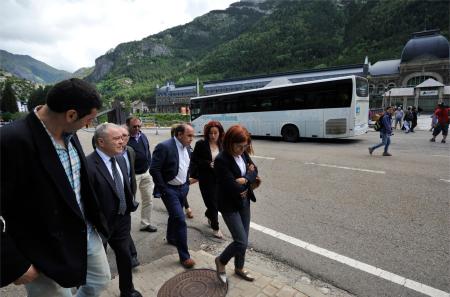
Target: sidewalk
(149,278)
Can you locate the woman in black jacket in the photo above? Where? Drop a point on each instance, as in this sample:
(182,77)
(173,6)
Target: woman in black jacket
(202,168)
(235,172)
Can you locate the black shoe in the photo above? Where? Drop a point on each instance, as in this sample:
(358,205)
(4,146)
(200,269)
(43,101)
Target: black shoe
(134,293)
(135,262)
(149,228)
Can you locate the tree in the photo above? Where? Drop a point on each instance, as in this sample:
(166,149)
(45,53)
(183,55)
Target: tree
(38,97)
(9,101)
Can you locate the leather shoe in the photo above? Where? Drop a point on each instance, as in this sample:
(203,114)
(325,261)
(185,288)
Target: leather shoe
(149,228)
(135,262)
(244,275)
(188,263)
(220,270)
(134,293)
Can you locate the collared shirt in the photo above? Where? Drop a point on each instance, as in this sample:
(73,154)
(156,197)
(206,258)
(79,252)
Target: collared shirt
(71,163)
(107,160)
(241,164)
(137,136)
(183,164)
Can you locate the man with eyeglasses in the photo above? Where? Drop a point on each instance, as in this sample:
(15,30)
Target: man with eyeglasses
(139,142)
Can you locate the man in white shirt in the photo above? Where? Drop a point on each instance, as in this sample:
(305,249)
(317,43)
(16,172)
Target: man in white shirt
(170,172)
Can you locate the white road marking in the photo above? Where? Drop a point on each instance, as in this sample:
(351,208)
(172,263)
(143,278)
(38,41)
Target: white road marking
(445,180)
(402,281)
(347,168)
(262,157)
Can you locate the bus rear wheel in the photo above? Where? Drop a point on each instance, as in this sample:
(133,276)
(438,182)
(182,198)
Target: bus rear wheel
(290,133)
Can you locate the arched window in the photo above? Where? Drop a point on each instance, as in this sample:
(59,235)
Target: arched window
(417,80)
(380,89)
(391,85)
(371,89)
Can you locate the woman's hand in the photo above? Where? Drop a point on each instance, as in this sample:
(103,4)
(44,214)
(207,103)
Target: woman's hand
(241,180)
(244,194)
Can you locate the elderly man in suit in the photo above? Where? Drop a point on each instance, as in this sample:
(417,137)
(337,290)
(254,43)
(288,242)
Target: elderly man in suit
(130,157)
(50,241)
(170,172)
(108,172)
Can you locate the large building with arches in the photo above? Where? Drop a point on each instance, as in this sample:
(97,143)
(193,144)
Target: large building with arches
(419,78)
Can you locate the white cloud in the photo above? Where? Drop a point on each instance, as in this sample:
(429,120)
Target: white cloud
(69,34)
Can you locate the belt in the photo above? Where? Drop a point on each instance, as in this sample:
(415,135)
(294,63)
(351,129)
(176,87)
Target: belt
(177,186)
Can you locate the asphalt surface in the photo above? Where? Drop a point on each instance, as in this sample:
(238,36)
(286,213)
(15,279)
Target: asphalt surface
(332,194)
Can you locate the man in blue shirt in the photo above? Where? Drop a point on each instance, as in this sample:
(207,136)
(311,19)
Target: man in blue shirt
(385,132)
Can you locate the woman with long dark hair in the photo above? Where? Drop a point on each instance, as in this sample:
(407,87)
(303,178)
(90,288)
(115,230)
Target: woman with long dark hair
(236,174)
(202,167)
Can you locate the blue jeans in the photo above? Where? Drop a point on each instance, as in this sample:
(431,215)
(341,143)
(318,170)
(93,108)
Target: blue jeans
(97,278)
(239,224)
(174,199)
(385,140)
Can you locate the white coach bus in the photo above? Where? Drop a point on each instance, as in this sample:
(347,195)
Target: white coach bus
(326,108)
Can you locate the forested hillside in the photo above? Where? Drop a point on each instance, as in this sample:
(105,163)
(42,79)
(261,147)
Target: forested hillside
(251,38)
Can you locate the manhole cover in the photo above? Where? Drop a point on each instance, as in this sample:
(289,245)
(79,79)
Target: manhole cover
(194,283)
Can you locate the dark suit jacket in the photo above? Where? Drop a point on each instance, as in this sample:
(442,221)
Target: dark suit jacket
(165,163)
(132,157)
(228,192)
(104,186)
(200,167)
(44,224)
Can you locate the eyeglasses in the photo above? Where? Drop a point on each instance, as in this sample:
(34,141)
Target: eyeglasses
(137,126)
(241,146)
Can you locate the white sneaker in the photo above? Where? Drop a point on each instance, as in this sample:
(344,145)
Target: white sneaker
(218,234)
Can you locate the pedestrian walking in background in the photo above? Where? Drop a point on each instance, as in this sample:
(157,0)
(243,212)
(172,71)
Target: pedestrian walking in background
(235,174)
(139,142)
(108,172)
(442,122)
(407,120)
(50,241)
(202,168)
(170,172)
(414,119)
(398,117)
(385,132)
(434,119)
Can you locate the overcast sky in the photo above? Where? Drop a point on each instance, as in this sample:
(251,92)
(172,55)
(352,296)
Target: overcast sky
(70,34)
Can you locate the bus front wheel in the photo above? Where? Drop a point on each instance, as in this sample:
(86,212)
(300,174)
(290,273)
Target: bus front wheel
(290,133)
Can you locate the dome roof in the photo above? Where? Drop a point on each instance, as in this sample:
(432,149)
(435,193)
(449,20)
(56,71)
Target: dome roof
(426,45)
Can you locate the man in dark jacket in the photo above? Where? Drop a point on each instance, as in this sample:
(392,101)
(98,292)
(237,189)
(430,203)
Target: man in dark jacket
(50,241)
(170,172)
(139,142)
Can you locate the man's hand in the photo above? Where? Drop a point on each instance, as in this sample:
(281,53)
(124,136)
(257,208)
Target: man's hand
(28,276)
(192,180)
(244,194)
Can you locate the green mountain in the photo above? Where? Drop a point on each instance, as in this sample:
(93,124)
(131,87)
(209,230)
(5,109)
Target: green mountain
(259,37)
(28,68)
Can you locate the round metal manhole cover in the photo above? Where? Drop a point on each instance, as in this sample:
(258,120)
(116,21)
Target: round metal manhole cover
(194,283)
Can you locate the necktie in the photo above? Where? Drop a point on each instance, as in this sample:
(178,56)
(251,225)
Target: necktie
(119,187)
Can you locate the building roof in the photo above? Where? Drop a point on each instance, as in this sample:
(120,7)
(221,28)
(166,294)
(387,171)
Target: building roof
(398,92)
(429,83)
(386,67)
(426,45)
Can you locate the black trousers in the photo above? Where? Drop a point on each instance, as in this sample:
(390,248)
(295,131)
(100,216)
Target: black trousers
(209,195)
(119,241)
